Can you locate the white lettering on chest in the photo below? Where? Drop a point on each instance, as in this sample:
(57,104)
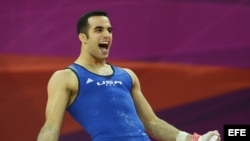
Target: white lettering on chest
(109,83)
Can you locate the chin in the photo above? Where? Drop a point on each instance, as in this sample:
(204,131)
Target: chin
(103,57)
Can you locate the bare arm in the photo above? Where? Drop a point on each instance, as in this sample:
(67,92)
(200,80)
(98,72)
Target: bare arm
(59,90)
(156,127)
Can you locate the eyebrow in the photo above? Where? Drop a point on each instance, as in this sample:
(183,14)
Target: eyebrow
(100,27)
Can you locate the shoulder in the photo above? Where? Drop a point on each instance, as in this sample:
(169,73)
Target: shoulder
(64,74)
(65,78)
(129,71)
(132,75)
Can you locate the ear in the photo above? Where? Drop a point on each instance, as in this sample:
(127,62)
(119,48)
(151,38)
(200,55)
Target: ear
(82,37)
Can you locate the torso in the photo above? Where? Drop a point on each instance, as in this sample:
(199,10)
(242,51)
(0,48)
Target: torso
(104,97)
(73,85)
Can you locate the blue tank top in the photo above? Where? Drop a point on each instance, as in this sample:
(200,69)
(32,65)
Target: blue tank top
(104,106)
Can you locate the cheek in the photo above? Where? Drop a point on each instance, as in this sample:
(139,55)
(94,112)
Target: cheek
(93,44)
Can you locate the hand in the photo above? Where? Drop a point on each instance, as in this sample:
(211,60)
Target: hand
(210,136)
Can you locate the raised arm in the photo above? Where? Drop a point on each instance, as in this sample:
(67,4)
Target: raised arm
(60,87)
(156,127)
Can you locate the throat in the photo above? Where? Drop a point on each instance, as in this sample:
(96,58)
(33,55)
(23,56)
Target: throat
(96,67)
(105,70)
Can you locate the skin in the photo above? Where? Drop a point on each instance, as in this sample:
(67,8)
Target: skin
(63,86)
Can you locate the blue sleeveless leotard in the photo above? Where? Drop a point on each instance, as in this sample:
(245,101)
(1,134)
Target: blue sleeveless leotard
(104,107)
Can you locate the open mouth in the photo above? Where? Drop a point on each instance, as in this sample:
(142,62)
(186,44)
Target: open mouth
(103,45)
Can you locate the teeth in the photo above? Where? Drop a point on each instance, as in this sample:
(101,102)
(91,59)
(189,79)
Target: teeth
(104,43)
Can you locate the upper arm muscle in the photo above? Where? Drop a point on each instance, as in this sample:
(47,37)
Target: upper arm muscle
(58,97)
(143,108)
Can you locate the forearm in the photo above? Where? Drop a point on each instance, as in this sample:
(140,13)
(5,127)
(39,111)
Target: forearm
(161,130)
(48,134)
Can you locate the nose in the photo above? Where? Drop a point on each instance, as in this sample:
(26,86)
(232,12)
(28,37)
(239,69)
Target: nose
(107,34)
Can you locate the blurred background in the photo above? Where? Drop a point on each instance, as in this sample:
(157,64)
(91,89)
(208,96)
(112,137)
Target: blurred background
(191,56)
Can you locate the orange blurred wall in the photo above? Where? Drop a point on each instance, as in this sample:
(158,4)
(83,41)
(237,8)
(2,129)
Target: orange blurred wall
(23,81)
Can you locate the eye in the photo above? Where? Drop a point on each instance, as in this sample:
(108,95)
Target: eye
(98,30)
(110,30)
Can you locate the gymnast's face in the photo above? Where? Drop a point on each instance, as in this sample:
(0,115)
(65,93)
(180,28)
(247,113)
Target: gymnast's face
(99,40)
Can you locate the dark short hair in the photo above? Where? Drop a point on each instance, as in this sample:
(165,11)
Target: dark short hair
(83,25)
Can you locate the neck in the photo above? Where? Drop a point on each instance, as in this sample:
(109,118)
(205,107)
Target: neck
(96,66)
(87,59)
(91,62)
